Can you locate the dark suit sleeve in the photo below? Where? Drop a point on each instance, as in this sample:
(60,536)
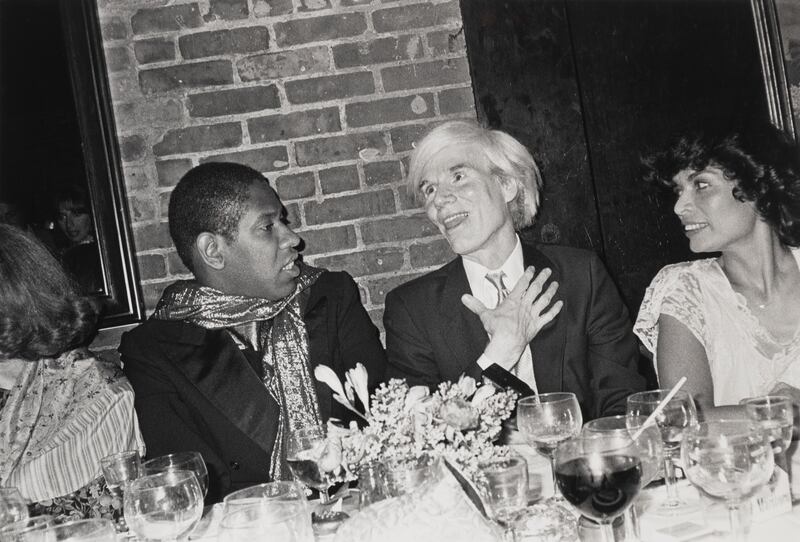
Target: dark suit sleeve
(168,425)
(612,349)
(359,340)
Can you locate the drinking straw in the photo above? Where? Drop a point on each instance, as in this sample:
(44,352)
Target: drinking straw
(652,417)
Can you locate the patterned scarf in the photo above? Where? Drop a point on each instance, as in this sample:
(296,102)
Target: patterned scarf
(282,340)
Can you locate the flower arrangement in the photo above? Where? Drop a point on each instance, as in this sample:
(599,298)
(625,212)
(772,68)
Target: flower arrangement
(459,422)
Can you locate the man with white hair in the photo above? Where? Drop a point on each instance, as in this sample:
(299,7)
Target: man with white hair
(541,318)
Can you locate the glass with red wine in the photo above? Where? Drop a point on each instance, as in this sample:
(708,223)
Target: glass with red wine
(600,475)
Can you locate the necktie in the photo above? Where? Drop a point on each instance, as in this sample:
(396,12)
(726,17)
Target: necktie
(524,367)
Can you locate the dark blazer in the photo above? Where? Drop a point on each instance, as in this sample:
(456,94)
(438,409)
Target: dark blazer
(196,390)
(588,349)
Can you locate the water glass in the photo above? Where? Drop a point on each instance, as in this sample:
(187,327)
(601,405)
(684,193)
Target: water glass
(26,530)
(191,461)
(547,419)
(775,415)
(267,520)
(12,506)
(280,491)
(677,416)
(728,461)
(84,530)
(163,506)
(503,486)
(121,468)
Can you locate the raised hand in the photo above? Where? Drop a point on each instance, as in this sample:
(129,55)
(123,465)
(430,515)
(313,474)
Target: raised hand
(518,318)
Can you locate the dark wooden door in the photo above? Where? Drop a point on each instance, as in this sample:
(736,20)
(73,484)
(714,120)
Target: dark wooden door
(592,85)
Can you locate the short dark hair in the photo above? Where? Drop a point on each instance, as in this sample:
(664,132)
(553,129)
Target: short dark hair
(75,194)
(211,197)
(762,162)
(41,312)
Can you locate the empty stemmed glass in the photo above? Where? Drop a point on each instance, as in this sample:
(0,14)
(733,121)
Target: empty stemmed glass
(677,415)
(728,461)
(191,461)
(314,463)
(600,475)
(164,506)
(547,419)
(503,486)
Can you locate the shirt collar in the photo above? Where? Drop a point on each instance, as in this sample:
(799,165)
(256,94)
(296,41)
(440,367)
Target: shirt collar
(513,267)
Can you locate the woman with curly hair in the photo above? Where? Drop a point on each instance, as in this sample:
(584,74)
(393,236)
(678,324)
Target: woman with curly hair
(61,409)
(730,323)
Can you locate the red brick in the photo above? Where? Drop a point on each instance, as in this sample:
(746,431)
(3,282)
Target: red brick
(262,159)
(447,42)
(233,101)
(199,138)
(368,262)
(408,199)
(175,265)
(166,19)
(431,254)
(416,16)
(271,8)
(298,185)
(136,177)
(426,74)
(337,148)
(141,208)
(332,87)
(403,137)
(328,239)
(313,5)
(389,110)
(151,266)
(328,27)
(398,228)
(338,179)
(154,50)
(224,42)
(284,64)
(227,10)
(378,288)
(292,125)
(354,2)
(199,74)
(113,28)
(456,100)
(382,173)
(151,236)
(148,114)
(171,171)
(365,204)
(132,148)
(367,53)
(117,59)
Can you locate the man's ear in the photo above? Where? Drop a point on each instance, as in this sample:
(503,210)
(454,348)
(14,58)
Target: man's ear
(210,250)
(509,187)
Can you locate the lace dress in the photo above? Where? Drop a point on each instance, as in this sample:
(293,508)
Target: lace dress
(744,358)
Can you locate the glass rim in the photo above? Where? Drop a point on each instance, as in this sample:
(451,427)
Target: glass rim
(658,395)
(581,437)
(119,455)
(748,427)
(239,493)
(550,397)
(592,424)
(141,481)
(768,400)
(186,454)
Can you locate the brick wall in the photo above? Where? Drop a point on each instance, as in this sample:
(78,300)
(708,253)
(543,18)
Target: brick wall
(789,20)
(323,96)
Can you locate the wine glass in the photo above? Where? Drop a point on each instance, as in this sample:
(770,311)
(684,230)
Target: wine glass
(503,486)
(285,493)
(648,444)
(677,415)
(600,475)
(275,521)
(164,506)
(121,468)
(82,530)
(191,461)
(774,414)
(728,460)
(547,419)
(12,506)
(314,464)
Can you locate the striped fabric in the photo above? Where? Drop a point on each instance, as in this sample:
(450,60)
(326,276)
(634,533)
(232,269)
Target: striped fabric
(60,419)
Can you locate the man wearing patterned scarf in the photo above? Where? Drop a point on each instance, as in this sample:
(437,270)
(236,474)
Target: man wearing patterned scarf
(225,364)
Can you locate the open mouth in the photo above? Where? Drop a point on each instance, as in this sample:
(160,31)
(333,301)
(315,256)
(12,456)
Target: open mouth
(454,220)
(289,266)
(691,228)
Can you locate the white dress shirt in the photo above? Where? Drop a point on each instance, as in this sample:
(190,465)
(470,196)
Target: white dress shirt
(486,293)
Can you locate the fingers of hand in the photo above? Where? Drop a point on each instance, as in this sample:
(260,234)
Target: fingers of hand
(535,287)
(473,304)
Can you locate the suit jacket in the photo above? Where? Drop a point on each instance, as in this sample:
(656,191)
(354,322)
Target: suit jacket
(196,390)
(588,349)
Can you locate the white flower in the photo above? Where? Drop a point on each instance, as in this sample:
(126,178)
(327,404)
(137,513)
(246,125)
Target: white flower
(414,396)
(358,379)
(325,374)
(482,393)
(467,385)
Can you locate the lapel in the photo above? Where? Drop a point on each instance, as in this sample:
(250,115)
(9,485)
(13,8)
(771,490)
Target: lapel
(463,330)
(548,347)
(221,372)
(321,344)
